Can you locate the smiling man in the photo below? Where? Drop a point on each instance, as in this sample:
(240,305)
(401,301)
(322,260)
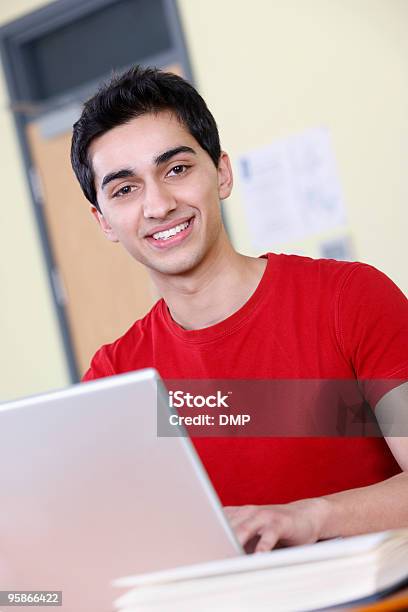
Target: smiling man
(146,152)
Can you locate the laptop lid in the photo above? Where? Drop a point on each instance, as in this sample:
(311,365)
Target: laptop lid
(90,492)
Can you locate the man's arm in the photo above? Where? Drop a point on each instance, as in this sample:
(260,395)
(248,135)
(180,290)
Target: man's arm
(373,508)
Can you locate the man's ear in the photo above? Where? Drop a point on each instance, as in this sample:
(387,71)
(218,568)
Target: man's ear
(104,225)
(225,180)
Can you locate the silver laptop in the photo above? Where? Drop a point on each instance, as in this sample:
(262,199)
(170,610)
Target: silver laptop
(89,492)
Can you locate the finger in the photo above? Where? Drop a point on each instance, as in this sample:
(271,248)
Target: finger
(268,540)
(248,528)
(279,529)
(269,526)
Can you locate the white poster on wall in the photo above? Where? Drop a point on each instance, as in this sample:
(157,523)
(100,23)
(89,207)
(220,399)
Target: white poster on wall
(291,189)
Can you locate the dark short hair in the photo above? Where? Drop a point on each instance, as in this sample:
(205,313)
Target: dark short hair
(136,92)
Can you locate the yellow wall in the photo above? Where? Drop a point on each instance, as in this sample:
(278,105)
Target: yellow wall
(31,352)
(268,69)
(271,68)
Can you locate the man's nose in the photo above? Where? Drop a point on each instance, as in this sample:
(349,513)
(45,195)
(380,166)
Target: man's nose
(158,201)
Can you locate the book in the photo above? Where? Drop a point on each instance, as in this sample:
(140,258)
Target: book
(300,578)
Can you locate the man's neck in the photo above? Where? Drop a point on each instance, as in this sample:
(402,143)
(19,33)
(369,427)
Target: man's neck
(213,291)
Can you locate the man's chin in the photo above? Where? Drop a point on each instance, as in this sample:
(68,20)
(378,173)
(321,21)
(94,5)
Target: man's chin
(174,265)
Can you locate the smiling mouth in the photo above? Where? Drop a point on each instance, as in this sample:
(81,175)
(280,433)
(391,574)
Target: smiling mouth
(173,231)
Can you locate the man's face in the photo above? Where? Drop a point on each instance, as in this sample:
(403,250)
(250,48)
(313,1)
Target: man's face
(159,192)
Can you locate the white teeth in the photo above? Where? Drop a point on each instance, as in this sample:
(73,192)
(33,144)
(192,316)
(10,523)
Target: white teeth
(171,232)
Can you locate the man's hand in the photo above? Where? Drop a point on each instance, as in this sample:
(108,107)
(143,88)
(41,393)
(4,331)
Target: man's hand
(300,522)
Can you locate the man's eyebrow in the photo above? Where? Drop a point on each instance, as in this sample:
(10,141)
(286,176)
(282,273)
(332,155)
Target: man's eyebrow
(160,159)
(124,173)
(164,157)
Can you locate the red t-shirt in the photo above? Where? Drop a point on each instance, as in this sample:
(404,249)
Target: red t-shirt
(308,319)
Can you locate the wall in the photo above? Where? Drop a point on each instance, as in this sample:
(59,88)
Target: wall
(271,68)
(267,69)
(31,352)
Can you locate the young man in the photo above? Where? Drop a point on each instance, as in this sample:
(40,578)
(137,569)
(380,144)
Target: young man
(147,155)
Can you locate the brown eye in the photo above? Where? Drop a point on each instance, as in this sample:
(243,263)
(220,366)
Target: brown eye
(179,169)
(123,191)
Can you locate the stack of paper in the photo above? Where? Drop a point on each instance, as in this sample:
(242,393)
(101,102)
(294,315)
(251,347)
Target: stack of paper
(299,578)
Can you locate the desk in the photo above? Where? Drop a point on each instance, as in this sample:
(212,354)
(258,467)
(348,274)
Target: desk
(396,601)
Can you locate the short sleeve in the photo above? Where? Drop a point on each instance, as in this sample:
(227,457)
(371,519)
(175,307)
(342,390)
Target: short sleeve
(372,328)
(100,366)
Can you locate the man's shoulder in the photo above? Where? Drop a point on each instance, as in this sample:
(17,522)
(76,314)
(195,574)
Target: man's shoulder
(299,262)
(311,270)
(128,352)
(141,329)
(329,279)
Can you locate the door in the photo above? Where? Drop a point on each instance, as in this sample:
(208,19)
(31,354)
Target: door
(102,288)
